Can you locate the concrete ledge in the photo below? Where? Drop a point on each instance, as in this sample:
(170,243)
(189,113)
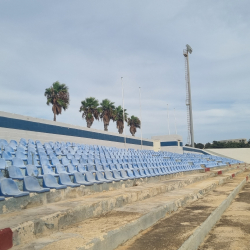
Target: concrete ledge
(116,237)
(193,242)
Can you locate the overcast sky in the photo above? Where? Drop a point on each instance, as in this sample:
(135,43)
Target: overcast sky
(90,45)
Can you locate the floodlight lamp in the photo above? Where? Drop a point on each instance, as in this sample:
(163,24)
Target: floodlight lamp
(189,49)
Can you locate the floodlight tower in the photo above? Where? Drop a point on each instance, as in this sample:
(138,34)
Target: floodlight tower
(186,52)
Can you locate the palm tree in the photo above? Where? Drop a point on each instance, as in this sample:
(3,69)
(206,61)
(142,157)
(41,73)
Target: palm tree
(107,112)
(90,110)
(119,118)
(58,96)
(134,122)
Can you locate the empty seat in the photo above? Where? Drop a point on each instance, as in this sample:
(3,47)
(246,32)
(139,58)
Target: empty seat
(48,170)
(1,176)
(125,175)
(99,167)
(80,179)
(21,155)
(8,188)
(118,176)
(91,178)
(17,162)
(7,156)
(81,168)
(65,161)
(74,162)
(100,177)
(31,184)
(3,164)
(136,174)
(77,156)
(91,168)
(55,161)
(108,175)
(32,170)
(69,156)
(49,181)
(61,169)
(15,173)
(65,180)
(72,169)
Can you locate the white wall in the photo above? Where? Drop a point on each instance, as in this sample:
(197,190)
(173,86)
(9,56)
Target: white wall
(16,134)
(241,154)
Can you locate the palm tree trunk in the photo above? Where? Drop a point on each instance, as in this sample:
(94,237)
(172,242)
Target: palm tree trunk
(54,117)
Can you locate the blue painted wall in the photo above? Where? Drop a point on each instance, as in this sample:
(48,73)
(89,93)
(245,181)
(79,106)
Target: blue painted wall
(12,123)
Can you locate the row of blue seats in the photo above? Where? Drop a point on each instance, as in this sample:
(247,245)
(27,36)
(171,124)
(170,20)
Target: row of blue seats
(9,188)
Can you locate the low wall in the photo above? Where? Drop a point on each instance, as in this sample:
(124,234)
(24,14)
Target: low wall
(15,127)
(241,154)
(194,150)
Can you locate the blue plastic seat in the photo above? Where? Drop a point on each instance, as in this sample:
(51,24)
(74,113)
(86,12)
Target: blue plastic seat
(1,176)
(32,170)
(7,156)
(91,178)
(17,162)
(99,167)
(125,175)
(100,177)
(49,181)
(8,188)
(9,149)
(80,179)
(142,173)
(117,175)
(72,168)
(48,170)
(4,142)
(83,161)
(91,168)
(69,156)
(136,174)
(108,175)
(55,161)
(82,168)
(3,164)
(31,184)
(44,161)
(74,162)
(21,155)
(61,169)
(65,161)
(65,180)
(15,173)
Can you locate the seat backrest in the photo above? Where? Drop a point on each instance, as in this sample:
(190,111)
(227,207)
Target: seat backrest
(64,178)
(77,156)
(2,163)
(90,167)
(69,156)
(8,186)
(60,168)
(116,174)
(65,161)
(89,177)
(55,161)
(17,162)
(79,177)
(32,170)
(7,155)
(1,176)
(31,182)
(47,169)
(44,161)
(49,179)
(15,172)
(99,167)
(108,174)
(81,168)
(71,168)
(123,173)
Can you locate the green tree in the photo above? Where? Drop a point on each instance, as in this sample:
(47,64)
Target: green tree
(134,122)
(199,145)
(119,118)
(107,112)
(91,110)
(58,96)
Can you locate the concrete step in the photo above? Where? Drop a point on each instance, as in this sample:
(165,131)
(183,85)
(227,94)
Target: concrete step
(108,230)
(232,231)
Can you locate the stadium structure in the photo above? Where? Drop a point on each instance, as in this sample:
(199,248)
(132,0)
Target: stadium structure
(69,187)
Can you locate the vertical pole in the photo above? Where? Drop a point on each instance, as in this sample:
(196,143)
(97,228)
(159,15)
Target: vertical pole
(175,122)
(124,132)
(140,115)
(190,105)
(168,121)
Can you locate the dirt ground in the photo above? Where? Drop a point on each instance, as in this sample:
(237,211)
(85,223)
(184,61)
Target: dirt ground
(232,232)
(172,231)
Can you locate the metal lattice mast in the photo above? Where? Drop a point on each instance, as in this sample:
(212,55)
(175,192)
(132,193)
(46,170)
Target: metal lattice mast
(186,52)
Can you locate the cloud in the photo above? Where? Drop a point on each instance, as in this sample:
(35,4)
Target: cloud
(90,45)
